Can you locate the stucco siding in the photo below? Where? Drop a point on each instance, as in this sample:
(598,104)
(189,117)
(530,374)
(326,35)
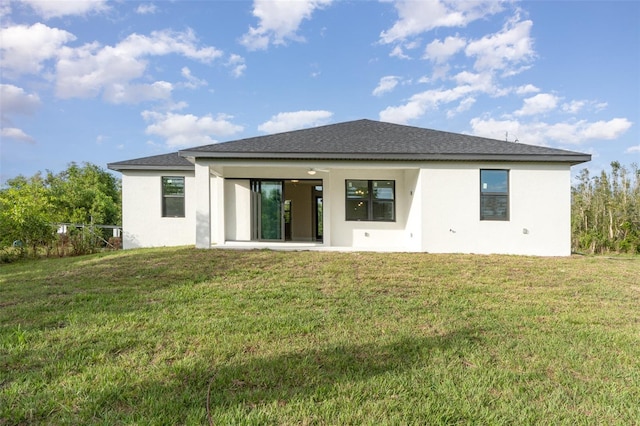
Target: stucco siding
(539,211)
(368,234)
(237,196)
(142,221)
(437,208)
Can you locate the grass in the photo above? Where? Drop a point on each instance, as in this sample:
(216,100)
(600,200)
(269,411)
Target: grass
(313,338)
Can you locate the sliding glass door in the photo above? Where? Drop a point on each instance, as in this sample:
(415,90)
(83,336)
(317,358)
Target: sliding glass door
(267,210)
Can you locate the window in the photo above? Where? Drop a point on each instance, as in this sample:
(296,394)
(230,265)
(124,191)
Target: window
(172,196)
(372,200)
(494,195)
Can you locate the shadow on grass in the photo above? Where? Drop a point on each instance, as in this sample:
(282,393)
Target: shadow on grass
(238,388)
(249,385)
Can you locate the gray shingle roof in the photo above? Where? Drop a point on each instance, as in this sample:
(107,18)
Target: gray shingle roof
(173,161)
(374,140)
(367,139)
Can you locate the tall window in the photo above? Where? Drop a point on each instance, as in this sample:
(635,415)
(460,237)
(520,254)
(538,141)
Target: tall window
(372,200)
(172,196)
(494,195)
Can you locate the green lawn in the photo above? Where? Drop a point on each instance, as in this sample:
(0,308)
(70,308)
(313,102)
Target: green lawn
(318,338)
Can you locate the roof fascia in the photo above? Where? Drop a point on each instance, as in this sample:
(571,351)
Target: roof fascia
(576,158)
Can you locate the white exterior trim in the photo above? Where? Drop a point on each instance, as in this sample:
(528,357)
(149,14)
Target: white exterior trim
(203,206)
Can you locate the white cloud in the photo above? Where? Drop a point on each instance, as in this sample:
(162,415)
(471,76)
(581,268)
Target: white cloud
(573,107)
(503,53)
(14,100)
(404,113)
(599,106)
(24,48)
(533,133)
(399,49)
(56,8)
(526,89)
(467,84)
(416,17)
(386,84)
(5,8)
(633,149)
(440,72)
(192,82)
(479,82)
(398,52)
(180,130)
(286,121)
(464,105)
(279,21)
(440,51)
(146,9)
(420,103)
(504,50)
(16,134)
(607,130)
(538,104)
(237,65)
(176,106)
(165,42)
(86,71)
(541,133)
(118,93)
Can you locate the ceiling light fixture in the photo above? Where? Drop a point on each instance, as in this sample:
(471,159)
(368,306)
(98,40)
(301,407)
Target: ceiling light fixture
(311,172)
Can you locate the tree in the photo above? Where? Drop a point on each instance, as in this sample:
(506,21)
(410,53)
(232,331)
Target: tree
(606,211)
(27,213)
(86,194)
(30,207)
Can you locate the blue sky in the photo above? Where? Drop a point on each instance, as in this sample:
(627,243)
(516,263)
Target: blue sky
(101,81)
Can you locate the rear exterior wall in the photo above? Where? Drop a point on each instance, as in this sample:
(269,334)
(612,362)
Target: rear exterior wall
(142,221)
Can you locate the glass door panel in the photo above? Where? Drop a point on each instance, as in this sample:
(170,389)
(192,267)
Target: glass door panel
(271,213)
(318,214)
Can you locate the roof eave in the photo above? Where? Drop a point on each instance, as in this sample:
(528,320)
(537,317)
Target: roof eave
(555,158)
(123,167)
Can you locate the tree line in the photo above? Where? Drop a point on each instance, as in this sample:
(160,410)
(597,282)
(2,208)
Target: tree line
(605,210)
(31,208)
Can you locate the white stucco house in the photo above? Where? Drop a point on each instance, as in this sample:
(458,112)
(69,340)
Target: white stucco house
(358,185)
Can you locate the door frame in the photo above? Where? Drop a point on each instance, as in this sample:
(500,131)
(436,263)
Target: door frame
(255,185)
